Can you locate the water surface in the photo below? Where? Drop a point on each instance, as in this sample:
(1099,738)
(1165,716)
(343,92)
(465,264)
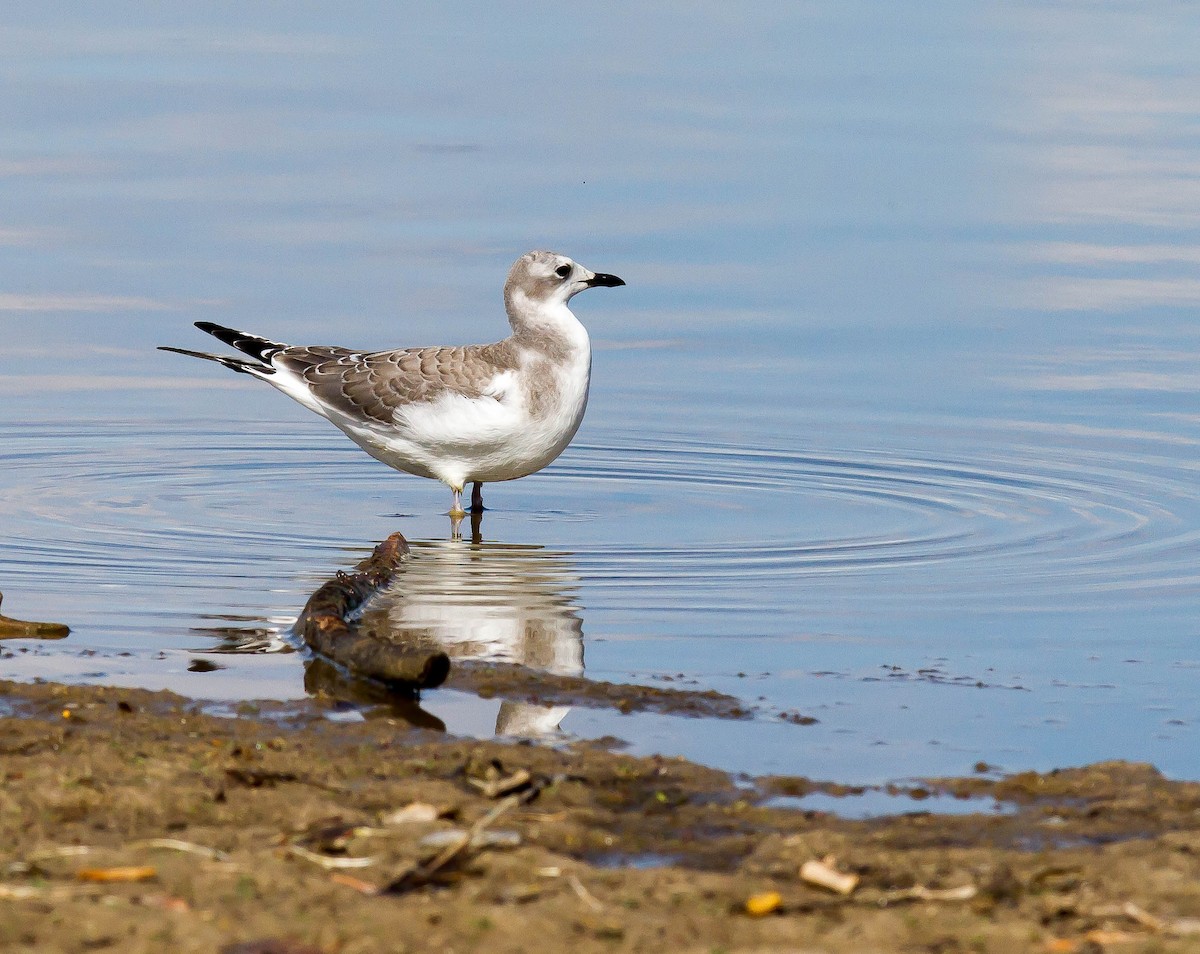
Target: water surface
(894,424)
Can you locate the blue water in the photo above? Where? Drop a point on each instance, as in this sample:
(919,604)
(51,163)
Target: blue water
(894,424)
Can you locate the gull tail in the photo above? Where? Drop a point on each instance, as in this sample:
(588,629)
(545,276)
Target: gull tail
(235,364)
(261,348)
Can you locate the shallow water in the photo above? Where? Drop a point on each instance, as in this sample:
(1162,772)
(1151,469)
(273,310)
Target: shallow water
(894,424)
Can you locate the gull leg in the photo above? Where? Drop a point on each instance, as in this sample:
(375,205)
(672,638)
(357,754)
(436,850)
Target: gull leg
(477,497)
(456,509)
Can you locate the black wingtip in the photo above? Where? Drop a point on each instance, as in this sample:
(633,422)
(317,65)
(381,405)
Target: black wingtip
(257,347)
(234,364)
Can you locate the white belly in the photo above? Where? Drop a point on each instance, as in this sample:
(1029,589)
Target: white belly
(458,440)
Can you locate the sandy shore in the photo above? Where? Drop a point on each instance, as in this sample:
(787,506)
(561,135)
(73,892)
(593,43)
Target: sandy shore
(134,822)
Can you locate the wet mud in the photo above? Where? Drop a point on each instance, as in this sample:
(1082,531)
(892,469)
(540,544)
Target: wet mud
(136,821)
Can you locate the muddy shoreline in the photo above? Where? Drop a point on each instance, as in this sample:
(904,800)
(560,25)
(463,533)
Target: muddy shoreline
(133,821)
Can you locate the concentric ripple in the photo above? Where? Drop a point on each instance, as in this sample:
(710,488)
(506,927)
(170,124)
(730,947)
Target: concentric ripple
(145,529)
(1054,522)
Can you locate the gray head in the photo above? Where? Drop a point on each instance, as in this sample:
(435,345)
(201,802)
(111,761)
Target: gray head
(540,281)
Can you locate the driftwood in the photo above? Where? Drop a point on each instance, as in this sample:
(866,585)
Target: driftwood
(325,627)
(20,629)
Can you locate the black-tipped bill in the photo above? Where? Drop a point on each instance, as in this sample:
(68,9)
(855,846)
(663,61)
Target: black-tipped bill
(601,280)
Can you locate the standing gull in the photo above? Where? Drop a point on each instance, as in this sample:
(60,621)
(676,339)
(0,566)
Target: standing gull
(467,414)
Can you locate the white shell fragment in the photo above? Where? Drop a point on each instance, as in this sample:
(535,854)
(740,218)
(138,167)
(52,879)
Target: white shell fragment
(824,875)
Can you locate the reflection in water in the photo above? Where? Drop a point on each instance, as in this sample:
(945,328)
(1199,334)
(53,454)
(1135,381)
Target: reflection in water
(239,640)
(1110,188)
(497,602)
(323,677)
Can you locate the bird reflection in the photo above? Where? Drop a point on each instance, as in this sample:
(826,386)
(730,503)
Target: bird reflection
(371,699)
(496,602)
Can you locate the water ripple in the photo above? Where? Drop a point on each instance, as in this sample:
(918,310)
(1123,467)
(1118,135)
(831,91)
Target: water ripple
(696,524)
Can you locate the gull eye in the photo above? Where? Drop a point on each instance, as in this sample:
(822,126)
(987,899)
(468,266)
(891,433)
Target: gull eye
(563,271)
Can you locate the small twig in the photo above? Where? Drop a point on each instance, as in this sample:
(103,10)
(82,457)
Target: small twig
(1143,917)
(30,892)
(175,844)
(583,893)
(919,892)
(495,787)
(349,881)
(451,850)
(426,871)
(327,861)
(1176,927)
(60,851)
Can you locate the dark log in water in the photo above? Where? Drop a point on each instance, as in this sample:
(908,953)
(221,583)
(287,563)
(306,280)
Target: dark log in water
(324,626)
(20,629)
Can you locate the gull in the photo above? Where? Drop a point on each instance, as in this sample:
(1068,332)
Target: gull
(466,414)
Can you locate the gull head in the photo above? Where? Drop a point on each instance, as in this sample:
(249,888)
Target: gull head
(540,281)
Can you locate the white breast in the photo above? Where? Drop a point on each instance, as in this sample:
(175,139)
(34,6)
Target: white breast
(522,422)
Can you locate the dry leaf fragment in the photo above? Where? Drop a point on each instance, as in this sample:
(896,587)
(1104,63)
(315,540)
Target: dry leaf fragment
(824,875)
(758,905)
(125,873)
